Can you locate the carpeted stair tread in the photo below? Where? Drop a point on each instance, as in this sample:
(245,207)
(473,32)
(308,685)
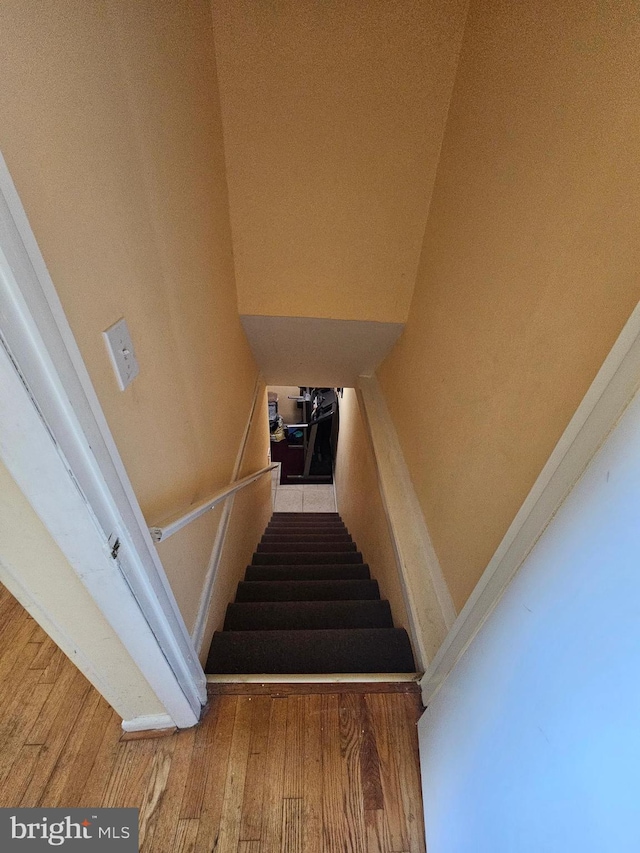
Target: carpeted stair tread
(304,516)
(306,519)
(306,540)
(294,531)
(307,615)
(308,528)
(302,537)
(282,558)
(307,525)
(355,571)
(305,547)
(319,651)
(320,590)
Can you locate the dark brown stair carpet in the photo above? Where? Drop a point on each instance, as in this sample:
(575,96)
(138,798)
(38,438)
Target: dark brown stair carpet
(309,531)
(288,615)
(301,538)
(284,558)
(297,547)
(311,522)
(308,605)
(309,651)
(356,571)
(308,516)
(298,514)
(327,590)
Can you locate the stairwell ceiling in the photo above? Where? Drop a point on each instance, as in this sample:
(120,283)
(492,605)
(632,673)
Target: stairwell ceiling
(316,351)
(333,116)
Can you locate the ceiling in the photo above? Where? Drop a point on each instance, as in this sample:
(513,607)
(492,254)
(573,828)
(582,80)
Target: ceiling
(333,115)
(317,351)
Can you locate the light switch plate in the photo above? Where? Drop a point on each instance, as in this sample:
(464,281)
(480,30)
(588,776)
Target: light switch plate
(120,348)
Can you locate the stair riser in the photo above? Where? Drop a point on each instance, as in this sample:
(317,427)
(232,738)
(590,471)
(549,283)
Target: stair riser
(282,558)
(307,518)
(303,541)
(366,650)
(277,516)
(307,547)
(357,571)
(306,537)
(341,590)
(307,615)
(320,525)
(294,532)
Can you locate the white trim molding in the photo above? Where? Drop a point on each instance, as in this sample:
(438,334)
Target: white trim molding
(614,386)
(150,722)
(50,370)
(427,598)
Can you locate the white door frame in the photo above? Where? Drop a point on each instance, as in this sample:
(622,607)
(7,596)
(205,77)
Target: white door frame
(59,394)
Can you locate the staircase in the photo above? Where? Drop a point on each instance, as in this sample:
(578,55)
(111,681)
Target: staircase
(308,604)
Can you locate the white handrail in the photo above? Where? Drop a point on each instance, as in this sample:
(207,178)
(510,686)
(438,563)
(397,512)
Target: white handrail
(171,525)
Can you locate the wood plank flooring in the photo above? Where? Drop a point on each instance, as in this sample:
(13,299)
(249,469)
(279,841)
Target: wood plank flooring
(271,769)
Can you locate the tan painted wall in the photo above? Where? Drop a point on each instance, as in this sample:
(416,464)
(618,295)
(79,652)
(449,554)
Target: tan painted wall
(333,117)
(112,133)
(360,505)
(185,556)
(529,266)
(252,508)
(31,560)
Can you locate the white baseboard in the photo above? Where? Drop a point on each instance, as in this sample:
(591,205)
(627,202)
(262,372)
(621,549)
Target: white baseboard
(428,601)
(611,391)
(148,723)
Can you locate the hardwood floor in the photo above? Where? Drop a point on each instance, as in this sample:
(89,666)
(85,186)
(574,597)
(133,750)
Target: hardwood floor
(273,769)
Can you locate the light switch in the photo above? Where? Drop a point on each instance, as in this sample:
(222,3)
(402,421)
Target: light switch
(120,348)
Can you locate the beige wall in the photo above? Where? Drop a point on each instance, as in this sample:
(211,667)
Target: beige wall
(529,266)
(112,133)
(185,556)
(333,116)
(360,504)
(252,508)
(31,560)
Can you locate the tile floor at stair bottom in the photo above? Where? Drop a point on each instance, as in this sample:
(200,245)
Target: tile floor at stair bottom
(305,498)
